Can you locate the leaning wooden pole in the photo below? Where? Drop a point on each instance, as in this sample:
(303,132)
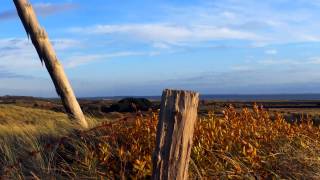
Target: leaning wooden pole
(178,114)
(48,56)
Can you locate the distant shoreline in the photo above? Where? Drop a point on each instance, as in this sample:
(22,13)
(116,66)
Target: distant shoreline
(218,97)
(234,97)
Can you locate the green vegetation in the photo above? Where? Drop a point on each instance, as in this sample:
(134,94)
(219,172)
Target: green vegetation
(241,144)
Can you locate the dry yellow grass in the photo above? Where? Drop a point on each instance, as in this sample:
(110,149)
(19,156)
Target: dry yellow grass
(16,119)
(246,144)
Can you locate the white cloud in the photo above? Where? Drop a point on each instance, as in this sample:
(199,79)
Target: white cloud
(262,18)
(42,9)
(242,68)
(160,45)
(169,33)
(49,8)
(307,61)
(78,60)
(19,53)
(271,52)
(63,43)
(313,60)
(279,62)
(260,23)
(229,15)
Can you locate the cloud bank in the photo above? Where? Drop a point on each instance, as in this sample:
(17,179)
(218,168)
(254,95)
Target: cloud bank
(42,9)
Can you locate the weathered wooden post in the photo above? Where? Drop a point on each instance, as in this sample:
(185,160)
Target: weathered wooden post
(47,55)
(178,114)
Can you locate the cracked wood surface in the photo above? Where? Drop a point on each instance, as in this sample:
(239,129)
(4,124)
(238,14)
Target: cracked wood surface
(178,114)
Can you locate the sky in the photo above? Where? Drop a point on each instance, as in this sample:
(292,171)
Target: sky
(140,47)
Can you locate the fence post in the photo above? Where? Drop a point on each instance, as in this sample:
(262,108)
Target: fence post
(178,114)
(47,55)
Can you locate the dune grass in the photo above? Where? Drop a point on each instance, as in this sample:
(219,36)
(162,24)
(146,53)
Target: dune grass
(24,135)
(241,145)
(16,119)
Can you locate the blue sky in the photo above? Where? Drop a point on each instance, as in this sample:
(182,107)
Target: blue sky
(140,47)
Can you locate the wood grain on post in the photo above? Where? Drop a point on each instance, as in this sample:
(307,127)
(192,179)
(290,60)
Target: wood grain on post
(48,56)
(178,114)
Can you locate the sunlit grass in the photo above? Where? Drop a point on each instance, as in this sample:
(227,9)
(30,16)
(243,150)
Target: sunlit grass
(245,144)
